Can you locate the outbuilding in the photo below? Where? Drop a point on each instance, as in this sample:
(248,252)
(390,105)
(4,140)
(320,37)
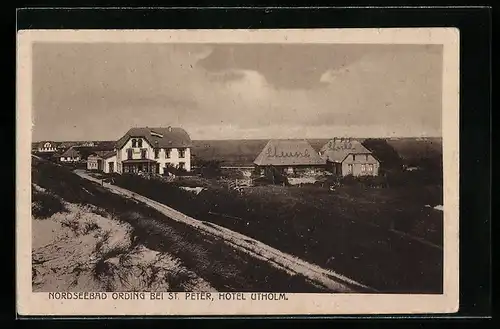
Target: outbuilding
(102,161)
(70,155)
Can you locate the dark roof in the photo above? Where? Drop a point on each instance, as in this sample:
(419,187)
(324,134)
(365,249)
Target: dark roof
(158,137)
(106,154)
(105,145)
(71,152)
(103,154)
(336,150)
(42,144)
(288,153)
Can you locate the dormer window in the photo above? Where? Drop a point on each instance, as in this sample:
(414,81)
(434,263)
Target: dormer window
(139,142)
(354,157)
(134,142)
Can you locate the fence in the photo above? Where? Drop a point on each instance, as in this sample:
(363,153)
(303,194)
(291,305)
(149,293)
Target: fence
(238,184)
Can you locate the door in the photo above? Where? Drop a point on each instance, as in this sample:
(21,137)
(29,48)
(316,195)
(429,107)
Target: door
(111,167)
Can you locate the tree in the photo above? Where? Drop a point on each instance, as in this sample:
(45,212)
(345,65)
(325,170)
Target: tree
(209,168)
(275,176)
(385,153)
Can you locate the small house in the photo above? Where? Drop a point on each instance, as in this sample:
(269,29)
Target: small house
(70,155)
(345,156)
(100,161)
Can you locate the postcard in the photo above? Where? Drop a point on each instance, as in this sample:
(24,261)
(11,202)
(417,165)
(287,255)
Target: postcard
(237,172)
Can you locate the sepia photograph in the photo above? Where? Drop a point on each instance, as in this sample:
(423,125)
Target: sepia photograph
(242,167)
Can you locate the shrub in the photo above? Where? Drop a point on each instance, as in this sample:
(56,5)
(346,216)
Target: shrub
(275,176)
(414,178)
(45,204)
(384,152)
(366,181)
(209,168)
(170,169)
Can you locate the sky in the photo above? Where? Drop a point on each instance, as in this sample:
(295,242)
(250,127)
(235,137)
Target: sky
(92,91)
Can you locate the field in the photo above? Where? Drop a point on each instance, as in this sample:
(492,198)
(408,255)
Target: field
(244,152)
(385,238)
(87,239)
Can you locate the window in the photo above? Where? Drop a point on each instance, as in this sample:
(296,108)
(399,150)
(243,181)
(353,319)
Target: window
(143,154)
(349,169)
(181,153)
(129,154)
(182,165)
(139,143)
(370,168)
(167,153)
(354,157)
(363,168)
(134,142)
(157,153)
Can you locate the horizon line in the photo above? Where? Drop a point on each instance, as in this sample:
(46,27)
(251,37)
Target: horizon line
(233,139)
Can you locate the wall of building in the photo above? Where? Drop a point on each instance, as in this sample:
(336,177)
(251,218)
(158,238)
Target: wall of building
(299,170)
(361,164)
(69,159)
(92,163)
(174,158)
(107,162)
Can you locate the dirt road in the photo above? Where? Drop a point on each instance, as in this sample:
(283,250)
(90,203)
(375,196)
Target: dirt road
(326,278)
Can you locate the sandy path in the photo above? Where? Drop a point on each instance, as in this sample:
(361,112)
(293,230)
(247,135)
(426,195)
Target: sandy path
(326,278)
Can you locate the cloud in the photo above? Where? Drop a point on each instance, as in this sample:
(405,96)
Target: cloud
(331,75)
(104,89)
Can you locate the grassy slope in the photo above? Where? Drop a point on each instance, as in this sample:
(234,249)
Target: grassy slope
(222,266)
(347,231)
(83,249)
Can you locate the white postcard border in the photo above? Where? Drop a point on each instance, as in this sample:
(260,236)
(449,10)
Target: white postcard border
(29,303)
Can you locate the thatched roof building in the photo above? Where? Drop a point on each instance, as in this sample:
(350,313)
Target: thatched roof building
(288,153)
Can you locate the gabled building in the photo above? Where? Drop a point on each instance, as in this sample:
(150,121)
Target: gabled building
(70,155)
(290,156)
(150,150)
(46,147)
(99,160)
(345,157)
